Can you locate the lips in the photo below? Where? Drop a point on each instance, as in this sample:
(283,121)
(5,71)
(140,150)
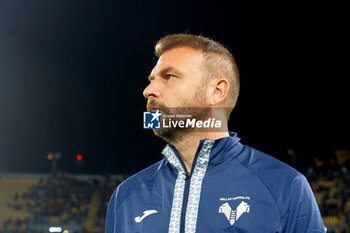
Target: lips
(153,106)
(153,109)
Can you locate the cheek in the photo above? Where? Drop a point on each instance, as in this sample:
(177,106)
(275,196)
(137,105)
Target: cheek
(177,92)
(185,93)
(176,98)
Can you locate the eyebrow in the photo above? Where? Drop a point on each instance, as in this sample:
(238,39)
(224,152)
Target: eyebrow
(166,70)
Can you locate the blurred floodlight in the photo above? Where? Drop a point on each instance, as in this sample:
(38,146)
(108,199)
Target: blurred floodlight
(55,229)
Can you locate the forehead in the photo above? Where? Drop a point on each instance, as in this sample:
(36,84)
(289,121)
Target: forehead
(185,59)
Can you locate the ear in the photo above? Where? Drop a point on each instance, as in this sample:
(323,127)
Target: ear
(219,89)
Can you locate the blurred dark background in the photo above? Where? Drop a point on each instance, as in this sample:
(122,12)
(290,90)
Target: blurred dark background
(72,75)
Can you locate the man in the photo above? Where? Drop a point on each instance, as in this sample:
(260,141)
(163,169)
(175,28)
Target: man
(207,181)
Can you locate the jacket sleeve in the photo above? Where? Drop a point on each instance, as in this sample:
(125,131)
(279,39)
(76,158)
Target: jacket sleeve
(110,217)
(303,213)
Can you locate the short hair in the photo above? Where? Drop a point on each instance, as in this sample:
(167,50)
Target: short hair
(219,62)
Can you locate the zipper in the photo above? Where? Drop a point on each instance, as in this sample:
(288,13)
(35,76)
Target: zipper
(184,203)
(187,186)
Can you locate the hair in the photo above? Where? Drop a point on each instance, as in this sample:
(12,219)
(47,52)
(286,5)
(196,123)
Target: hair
(219,62)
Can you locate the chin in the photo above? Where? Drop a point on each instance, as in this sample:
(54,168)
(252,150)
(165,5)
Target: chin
(171,134)
(165,134)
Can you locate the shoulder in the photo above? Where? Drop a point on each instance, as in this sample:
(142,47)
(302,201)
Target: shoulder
(136,182)
(289,188)
(280,179)
(266,167)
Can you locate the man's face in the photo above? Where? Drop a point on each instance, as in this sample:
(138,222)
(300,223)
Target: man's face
(176,82)
(175,79)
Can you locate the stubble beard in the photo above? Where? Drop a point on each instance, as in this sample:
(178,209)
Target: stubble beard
(194,107)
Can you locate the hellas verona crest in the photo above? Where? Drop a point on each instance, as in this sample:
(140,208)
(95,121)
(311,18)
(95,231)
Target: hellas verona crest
(232,215)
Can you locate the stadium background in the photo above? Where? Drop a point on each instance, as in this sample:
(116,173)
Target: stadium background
(71,80)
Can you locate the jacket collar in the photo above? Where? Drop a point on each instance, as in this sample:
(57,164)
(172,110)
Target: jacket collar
(224,148)
(220,150)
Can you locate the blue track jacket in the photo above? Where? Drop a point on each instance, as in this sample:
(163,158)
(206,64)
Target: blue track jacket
(232,188)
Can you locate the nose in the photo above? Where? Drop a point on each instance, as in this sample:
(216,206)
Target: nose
(151,91)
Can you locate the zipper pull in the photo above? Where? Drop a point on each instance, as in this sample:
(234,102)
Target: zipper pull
(188,175)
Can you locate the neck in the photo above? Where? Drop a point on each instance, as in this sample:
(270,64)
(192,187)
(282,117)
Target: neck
(188,144)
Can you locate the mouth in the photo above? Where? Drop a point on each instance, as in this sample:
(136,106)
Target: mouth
(153,109)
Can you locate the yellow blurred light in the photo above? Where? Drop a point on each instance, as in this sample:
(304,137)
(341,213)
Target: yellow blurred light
(65,231)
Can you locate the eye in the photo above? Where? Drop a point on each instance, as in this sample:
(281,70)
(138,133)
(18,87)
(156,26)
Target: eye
(170,76)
